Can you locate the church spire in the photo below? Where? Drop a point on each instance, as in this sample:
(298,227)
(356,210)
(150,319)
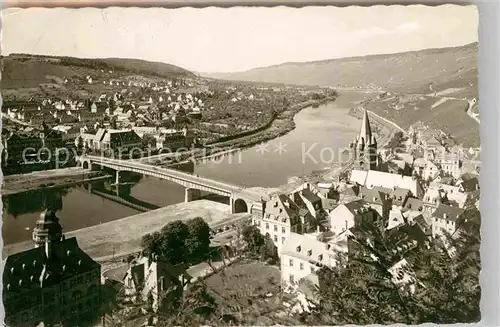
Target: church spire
(366,130)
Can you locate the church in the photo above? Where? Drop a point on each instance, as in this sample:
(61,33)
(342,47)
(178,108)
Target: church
(364,147)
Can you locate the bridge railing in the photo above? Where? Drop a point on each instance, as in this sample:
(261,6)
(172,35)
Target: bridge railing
(173,173)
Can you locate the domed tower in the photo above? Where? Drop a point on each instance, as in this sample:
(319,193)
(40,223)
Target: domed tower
(364,148)
(47,228)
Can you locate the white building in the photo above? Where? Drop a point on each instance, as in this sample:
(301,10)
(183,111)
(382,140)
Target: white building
(303,254)
(446,220)
(373,178)
(280,218)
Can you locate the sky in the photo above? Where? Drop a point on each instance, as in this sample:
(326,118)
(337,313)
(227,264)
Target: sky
(235,39)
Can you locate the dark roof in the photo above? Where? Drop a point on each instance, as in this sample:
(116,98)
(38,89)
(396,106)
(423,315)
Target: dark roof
(471,184)
(31,268)
(310,196)
(123,136)
(448,212)
(372,195)
(467,176)
(101,105)
(420,221)
(355,205)
(414,204)
(353,190)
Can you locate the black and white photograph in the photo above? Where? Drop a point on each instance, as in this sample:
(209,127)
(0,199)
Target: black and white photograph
(240,166)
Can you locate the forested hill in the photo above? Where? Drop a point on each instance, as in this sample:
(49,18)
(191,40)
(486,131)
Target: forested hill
(408,71)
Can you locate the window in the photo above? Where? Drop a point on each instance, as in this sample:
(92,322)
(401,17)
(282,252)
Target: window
(282,240)
(258,223)
(312,269)
(275,228)
(290,262)
(292,279)
(267,225)
(283,230)
(301,266)
(275,238)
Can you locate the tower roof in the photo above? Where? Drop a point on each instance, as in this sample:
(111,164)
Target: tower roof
(366,130)
(47,228)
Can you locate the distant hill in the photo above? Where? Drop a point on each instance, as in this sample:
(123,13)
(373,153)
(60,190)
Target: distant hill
(407,71)
(29,71)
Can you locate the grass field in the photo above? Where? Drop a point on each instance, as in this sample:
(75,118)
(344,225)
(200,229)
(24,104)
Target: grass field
(450,116)
(248,290)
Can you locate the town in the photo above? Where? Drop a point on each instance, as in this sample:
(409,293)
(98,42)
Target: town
(420,193)
(327,192)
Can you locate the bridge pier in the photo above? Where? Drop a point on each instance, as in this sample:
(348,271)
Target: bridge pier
(191,194)
(117,178)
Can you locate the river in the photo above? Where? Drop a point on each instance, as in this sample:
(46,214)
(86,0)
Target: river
(319,134)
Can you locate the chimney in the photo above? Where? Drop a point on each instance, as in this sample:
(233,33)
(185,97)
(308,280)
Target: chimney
(445,215)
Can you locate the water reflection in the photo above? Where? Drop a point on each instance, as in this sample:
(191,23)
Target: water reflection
(34,201)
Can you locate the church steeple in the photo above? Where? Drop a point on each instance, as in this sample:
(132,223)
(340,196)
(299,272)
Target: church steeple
(364,148)
(365,132)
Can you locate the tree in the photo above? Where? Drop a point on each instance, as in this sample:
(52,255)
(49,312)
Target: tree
(169,242)
(198,241)
(361,290)
(173,247)
(152,244)
(253,238)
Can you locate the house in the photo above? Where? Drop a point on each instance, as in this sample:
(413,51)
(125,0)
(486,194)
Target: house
(378,199)
(446,219)
(403,275)
(326,190)
(85,116)
(451,164)
(154,279)
(120,141)
(280,218)
(372,178)
(347,215)
(306,198)
(54,282)
(303,254)
(428,171)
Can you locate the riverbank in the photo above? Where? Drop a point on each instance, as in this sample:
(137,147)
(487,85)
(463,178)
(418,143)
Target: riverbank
(13,184)
(282,124)
(123,236)
(383,128)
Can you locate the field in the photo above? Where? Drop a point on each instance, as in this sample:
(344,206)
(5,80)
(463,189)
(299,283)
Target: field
(250,291)
(450,116)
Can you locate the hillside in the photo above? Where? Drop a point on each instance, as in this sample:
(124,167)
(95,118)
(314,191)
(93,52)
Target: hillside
(29,71)
(408,71)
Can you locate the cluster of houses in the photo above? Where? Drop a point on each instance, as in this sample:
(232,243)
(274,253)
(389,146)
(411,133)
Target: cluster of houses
(314,223)
(111,121)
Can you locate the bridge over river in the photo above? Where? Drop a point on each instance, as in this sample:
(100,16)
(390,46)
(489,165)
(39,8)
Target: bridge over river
(240,198)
